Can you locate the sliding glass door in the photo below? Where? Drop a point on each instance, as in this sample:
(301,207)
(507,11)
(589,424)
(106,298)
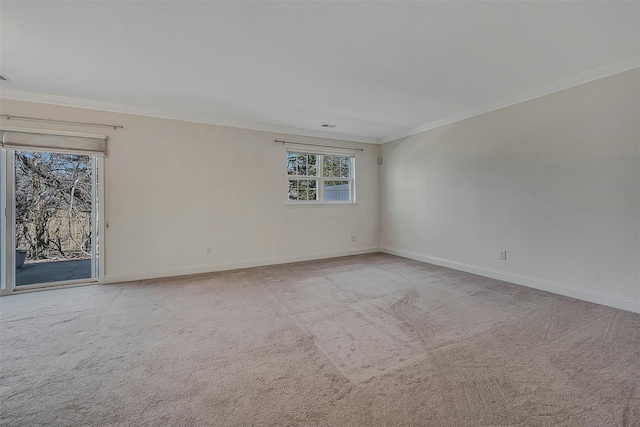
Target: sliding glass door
(49,228)
(55,218)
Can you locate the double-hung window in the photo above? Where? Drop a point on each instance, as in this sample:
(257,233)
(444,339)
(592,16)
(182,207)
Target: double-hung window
(320,178)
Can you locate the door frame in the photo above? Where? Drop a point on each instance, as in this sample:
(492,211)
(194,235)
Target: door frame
(8,228)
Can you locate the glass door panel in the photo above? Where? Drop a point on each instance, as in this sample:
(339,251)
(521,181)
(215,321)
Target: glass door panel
(55,201)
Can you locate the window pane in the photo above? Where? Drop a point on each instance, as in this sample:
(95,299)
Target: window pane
(309,189)
(328,166)
(337,166)
(291,163)
(303,189)
(293,189)
(337,190)
(345,167)
(301,164)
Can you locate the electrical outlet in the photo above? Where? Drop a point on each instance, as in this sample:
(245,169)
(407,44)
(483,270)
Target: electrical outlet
(353,238)
(503,255)
(208,250)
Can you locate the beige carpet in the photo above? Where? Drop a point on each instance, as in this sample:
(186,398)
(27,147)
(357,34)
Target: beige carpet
(362,341)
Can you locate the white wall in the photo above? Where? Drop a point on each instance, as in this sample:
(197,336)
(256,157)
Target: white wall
(173,188)
(554,181)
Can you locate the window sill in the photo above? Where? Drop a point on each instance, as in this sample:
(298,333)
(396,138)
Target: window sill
(318,205)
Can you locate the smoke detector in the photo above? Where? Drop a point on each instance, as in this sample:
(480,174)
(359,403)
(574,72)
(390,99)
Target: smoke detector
(327,126)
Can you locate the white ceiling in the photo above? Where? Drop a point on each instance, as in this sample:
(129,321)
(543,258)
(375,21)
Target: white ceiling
(377,70)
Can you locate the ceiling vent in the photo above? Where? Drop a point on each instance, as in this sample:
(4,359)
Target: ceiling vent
(327,126)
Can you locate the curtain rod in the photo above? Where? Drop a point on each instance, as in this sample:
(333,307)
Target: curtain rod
(319,145)
(34,119)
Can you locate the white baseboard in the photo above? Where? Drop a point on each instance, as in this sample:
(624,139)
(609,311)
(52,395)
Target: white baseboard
(211,268)
(531,282)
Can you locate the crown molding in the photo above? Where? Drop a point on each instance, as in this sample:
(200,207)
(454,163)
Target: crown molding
(65,101)
(560,85)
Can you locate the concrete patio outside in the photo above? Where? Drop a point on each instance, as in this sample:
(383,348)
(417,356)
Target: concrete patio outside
(54,271)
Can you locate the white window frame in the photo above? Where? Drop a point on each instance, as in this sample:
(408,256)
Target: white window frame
(321,179)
